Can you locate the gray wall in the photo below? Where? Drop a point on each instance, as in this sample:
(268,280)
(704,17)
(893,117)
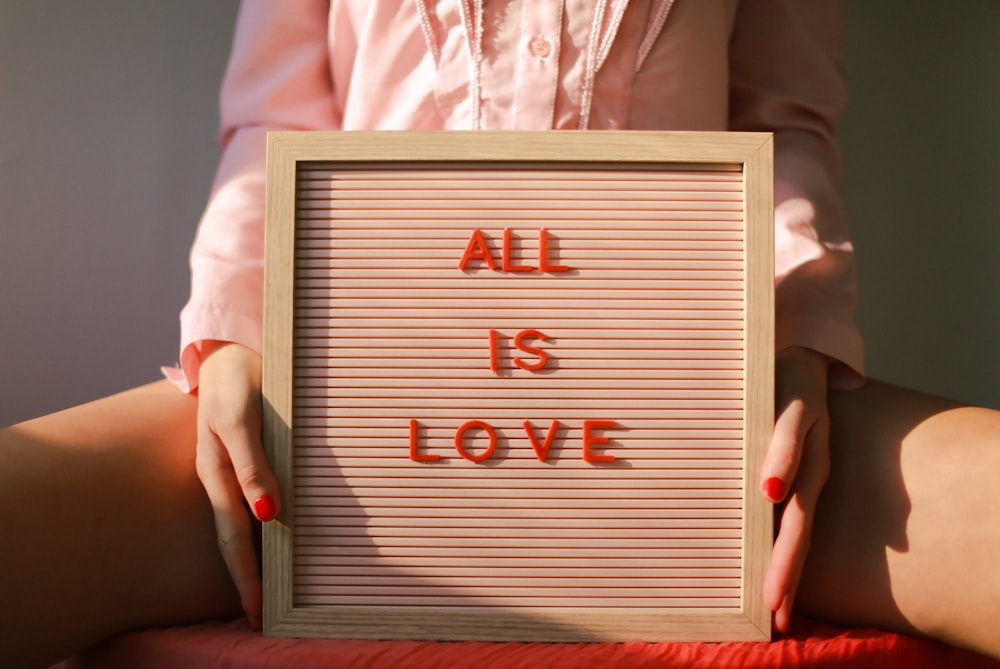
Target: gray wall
(108,119)
(921,143)
(107,147)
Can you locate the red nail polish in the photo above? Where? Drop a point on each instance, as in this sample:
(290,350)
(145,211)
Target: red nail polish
(265,508)
(774,488)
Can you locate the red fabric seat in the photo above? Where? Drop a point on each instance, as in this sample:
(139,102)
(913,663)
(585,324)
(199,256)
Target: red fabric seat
(233,644)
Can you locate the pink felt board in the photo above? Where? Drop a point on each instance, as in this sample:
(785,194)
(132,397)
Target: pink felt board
(520,389)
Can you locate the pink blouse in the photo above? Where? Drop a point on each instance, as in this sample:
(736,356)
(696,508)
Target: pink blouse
(537,64)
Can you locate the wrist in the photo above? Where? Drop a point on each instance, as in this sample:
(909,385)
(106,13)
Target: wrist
(803,362)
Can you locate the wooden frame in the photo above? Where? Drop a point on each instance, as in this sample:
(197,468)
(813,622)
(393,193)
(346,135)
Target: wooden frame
(394,422)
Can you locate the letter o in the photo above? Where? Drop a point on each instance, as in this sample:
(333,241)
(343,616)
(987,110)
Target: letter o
(460,435)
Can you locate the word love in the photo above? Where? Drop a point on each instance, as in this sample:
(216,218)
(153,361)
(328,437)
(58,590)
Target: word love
(593,440)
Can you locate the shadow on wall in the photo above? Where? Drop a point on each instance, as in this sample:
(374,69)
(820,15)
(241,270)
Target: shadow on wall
(921,143)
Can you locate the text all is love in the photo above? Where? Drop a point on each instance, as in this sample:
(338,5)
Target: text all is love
(476,440)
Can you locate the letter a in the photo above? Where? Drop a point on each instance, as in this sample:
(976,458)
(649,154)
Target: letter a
(476,249)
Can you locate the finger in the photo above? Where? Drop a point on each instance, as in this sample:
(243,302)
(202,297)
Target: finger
(800,401)
(257,482)
(787,561)
(232,524)
(784,453)
(791,546)
(233,413)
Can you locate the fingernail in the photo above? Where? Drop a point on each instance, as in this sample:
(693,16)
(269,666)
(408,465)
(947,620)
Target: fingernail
(265,508)
(774,488)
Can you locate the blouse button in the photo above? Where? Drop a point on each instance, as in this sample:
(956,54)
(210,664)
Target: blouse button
(540,47)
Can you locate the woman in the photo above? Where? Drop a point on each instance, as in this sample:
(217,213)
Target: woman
(165,477)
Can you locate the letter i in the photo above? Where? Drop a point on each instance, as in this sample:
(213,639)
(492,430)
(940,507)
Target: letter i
(494,354)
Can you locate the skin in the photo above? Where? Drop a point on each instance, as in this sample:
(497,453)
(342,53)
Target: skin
(904,535)
(230,460)
(106,525)
(799,457)
(908,527)
(233,468)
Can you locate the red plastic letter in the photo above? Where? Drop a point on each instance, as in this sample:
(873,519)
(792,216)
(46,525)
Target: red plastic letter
(543,254)
(494,356)
(415,453)
(543,357)
(541,450)
(460,434)
(505,263)
(476,249)
(590,440)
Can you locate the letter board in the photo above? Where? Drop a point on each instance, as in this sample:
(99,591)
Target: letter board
(518,385)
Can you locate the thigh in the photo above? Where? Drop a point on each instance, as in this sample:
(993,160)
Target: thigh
(113,528)
(908,526)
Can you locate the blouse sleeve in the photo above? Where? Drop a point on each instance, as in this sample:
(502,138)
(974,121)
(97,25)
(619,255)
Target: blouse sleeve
(277,78)
(786,76)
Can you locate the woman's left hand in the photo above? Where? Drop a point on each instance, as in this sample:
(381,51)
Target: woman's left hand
(795,469)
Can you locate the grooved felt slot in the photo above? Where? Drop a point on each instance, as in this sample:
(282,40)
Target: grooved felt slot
(519,389)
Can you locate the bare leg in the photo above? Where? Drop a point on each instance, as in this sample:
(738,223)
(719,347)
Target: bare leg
(105,526)
(908,529)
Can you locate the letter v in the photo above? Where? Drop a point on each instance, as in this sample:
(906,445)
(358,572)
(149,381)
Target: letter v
(541,450)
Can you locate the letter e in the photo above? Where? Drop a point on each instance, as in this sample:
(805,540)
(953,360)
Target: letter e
(590,440)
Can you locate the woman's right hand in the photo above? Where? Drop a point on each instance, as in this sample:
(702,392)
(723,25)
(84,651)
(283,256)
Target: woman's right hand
(231,462)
